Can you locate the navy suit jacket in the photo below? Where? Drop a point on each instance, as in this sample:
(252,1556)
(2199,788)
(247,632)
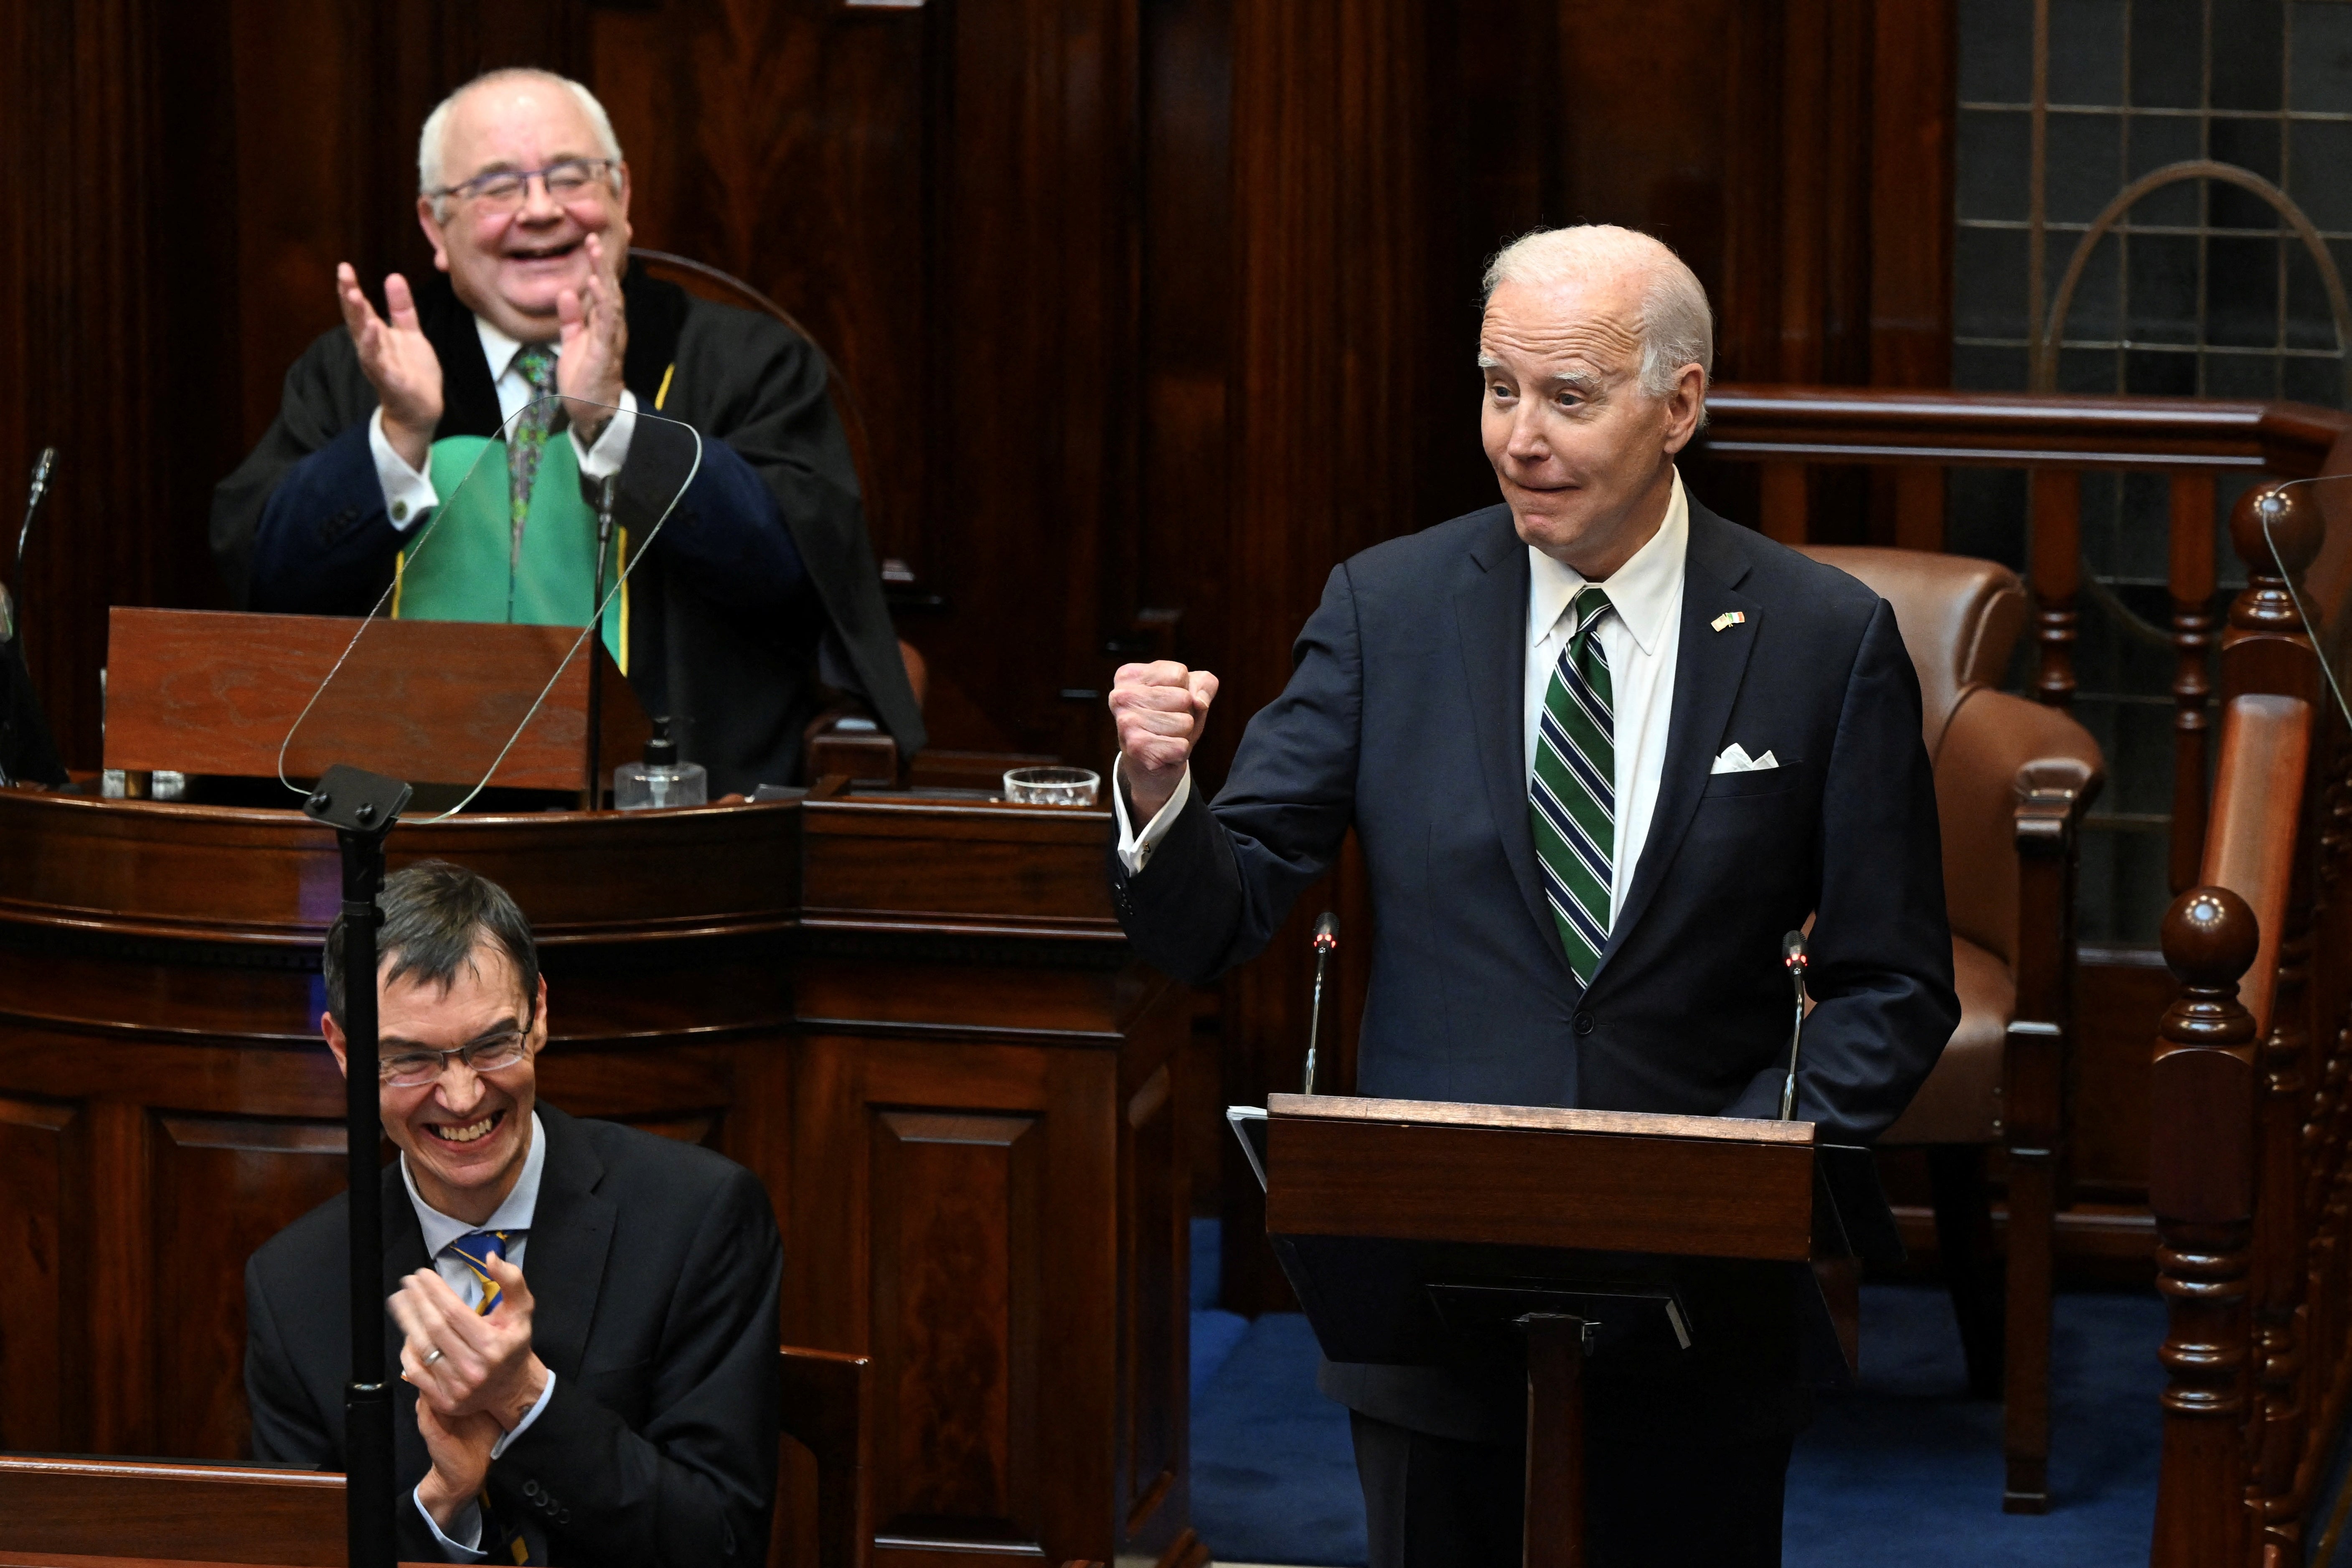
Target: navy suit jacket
(656,1268)
(1403,720)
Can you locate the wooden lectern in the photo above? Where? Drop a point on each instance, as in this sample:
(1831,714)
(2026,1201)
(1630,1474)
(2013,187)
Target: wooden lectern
(216,693)
(1406,1224)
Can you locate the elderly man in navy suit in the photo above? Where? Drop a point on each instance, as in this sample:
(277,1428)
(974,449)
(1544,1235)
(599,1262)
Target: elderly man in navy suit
(1602,749)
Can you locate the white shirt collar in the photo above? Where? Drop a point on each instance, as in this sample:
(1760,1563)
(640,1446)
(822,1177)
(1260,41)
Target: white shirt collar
(515,1214)
(500,350)
(1645,592)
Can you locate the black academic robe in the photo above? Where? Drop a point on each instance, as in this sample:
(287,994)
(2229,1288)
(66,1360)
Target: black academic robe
(762,578)
(654,1268)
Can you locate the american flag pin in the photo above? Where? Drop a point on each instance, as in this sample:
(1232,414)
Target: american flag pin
(1728,618)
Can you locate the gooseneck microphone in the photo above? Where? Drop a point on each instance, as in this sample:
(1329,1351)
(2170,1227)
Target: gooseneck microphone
(1327,942)
(1792,955)
(42,469)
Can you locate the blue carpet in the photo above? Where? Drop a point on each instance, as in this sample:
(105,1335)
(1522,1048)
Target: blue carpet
(1903,1467)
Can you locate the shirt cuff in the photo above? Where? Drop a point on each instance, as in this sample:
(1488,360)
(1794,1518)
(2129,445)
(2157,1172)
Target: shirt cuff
(611,450)
(499,1449)
(408,495)
(465,1526)
(1135,849)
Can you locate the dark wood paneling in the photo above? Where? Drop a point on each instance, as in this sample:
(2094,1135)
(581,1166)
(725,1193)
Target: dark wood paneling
(969,1172)
(40,1264)
(957,1274)
(221,1185)
(1151,312)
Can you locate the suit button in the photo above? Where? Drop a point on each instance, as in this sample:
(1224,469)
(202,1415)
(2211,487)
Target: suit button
(531,1488)
(1584,1022)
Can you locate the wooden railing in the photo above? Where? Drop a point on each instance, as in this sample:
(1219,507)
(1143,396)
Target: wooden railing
(2248,1094)
(2194,443)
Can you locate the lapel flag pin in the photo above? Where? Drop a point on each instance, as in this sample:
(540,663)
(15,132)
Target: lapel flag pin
(1728,618)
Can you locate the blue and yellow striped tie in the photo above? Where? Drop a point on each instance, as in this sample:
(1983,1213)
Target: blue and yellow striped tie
(478,1247)
(1572,798)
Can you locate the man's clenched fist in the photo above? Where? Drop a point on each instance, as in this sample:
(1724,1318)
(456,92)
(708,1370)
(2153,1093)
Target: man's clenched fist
(1161,709)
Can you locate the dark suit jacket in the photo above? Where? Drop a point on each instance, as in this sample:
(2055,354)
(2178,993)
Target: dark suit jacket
(1403,720)
(762,576)
(656,1268)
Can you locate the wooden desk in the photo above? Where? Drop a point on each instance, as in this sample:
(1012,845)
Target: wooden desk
(917,1021)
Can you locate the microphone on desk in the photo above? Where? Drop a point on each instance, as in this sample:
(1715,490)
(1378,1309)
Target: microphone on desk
(1793,954)
(1327,942)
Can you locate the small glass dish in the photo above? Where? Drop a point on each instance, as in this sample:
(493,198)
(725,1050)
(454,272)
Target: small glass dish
(1051,787)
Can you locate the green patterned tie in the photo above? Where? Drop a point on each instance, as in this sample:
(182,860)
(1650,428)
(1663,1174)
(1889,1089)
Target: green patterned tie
(525,439)
(1572,798)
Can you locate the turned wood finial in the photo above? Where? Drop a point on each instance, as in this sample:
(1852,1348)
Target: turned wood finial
(2210,938)
(2296,527)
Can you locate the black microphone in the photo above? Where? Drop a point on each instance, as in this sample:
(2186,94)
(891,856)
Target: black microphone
(1792,955)
(1327,942)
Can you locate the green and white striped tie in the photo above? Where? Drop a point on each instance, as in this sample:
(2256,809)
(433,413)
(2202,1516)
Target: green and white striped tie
(1572,798)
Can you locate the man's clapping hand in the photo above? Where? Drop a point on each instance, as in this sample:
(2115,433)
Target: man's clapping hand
(398,361)
(1162,709)
(593,328)
(486,1366)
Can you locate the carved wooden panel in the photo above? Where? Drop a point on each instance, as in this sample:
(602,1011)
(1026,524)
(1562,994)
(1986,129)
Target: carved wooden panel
(223,1186)
(40,1254)
(957,1273)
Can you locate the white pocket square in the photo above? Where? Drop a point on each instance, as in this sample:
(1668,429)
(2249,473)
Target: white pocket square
(1736,760)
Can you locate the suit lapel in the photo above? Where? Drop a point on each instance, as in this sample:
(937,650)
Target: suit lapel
(571,1235)
(1490,619)
(469,394)
(1708,667)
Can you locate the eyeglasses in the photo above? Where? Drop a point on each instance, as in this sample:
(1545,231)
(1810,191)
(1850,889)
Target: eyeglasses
(502,190)
(411,1068)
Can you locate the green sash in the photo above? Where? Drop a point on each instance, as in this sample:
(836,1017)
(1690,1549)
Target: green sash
(457,570)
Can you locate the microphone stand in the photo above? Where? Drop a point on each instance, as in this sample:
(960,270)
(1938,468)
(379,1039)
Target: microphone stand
(1327,940)
(362,807)
(593,795)
(1793,954)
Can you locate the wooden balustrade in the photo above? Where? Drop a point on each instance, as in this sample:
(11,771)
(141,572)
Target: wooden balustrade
(2249,1105)
(1789,429)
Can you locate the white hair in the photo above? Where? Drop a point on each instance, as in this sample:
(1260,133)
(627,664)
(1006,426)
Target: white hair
(431,174)
(1677,327)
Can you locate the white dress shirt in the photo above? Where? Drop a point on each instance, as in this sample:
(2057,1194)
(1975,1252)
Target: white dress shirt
(408,493)
(461,1543)
(1641,639)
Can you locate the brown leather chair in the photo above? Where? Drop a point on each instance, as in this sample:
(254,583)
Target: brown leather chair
(2012,780)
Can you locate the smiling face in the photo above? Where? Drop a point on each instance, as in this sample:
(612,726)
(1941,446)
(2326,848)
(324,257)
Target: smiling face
(466,1134)
(1583,454)
(509,265)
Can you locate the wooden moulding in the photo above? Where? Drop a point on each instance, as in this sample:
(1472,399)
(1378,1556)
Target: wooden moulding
(1852,425)
(1607,1182)
(229,1513)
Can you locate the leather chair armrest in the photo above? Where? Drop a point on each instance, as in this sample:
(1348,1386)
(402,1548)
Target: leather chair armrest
(2053,794)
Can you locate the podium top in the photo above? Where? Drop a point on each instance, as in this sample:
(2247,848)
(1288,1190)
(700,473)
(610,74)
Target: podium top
(1534,1176)
(1540,1119)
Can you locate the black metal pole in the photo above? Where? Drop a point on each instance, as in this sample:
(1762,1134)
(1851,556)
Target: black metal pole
(594,794)
(362,807)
